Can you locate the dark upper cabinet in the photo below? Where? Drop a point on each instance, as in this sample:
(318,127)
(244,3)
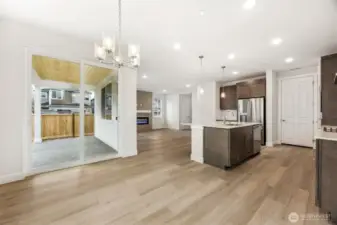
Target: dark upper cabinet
(228,98)
(258,88)
(329,90)
(253,89)
(244,90)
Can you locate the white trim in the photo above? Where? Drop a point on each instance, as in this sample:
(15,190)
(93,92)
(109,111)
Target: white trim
(12,178)
(316,97)
(198,159)
(234,82)
(38,140)
(269,144)
(69,165)
(143,111)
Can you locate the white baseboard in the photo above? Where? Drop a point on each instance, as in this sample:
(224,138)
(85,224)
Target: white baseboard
(197,159)
(129,154)
(37,140)
(11,178)
(269,144)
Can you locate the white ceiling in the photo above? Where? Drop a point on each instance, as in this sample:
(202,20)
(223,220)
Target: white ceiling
(308,29)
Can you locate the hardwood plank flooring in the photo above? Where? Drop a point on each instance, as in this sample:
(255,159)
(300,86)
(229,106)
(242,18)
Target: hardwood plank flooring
(162,186)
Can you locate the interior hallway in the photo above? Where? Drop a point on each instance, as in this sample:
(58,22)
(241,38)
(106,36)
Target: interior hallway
(162,186)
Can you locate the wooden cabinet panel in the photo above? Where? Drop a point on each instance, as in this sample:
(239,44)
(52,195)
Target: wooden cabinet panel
(258,88)
(228,97)
(243,90)
(253,89)
(329,90)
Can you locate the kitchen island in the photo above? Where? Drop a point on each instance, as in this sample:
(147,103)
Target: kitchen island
(326,167)
(225,145)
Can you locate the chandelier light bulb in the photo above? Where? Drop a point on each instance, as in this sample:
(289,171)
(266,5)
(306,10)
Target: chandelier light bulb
(109,43)
(249,4)
(100,52)
(106,53)
(223,95)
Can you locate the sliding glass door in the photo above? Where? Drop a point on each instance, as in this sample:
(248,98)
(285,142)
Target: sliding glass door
(74,113)
(100,117)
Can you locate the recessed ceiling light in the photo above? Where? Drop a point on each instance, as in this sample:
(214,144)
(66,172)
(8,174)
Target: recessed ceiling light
(177,46)
(249,4)
(164,91)
(235,72)
(277,41)
(187,85)
(202,12)
(144,76)
(289,60)
(231,56)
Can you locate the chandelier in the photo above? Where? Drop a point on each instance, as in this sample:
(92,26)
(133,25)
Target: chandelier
(110,50)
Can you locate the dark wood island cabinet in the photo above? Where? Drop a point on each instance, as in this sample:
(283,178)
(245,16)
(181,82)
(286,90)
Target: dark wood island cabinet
(326,176)
(231,145)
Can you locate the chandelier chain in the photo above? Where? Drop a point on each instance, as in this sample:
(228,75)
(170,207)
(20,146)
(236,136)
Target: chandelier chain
(119,26)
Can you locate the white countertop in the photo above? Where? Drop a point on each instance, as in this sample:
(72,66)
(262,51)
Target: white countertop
(326,135)
(220,125)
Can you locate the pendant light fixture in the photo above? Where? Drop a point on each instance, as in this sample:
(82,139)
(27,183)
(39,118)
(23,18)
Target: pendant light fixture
(223,94)
(201,91)
(110,52)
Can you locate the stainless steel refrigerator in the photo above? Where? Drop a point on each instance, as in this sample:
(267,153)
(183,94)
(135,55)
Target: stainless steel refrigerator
(253,110)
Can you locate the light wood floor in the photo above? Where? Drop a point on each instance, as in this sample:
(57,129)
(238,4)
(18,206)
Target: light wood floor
(162,186)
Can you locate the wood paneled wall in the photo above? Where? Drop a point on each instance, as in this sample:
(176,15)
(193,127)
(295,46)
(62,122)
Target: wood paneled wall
(88,125)
(64,126)
(56,126)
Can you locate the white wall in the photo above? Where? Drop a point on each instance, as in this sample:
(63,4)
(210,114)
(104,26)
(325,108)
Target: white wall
(160,122)
(14,38)
(271,107)
(127,112)
(204,103)
(172,111)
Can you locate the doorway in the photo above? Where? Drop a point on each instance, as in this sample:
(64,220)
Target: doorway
(72,113)
(297,110)
(185,108)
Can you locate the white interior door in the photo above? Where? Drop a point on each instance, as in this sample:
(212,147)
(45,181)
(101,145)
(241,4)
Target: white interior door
(185,110)
(297,111)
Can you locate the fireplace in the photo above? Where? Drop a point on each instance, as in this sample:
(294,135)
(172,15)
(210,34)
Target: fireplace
(142,120)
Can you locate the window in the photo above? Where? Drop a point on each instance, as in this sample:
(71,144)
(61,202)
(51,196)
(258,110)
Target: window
(57,94)
(106,102)
(157,107)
